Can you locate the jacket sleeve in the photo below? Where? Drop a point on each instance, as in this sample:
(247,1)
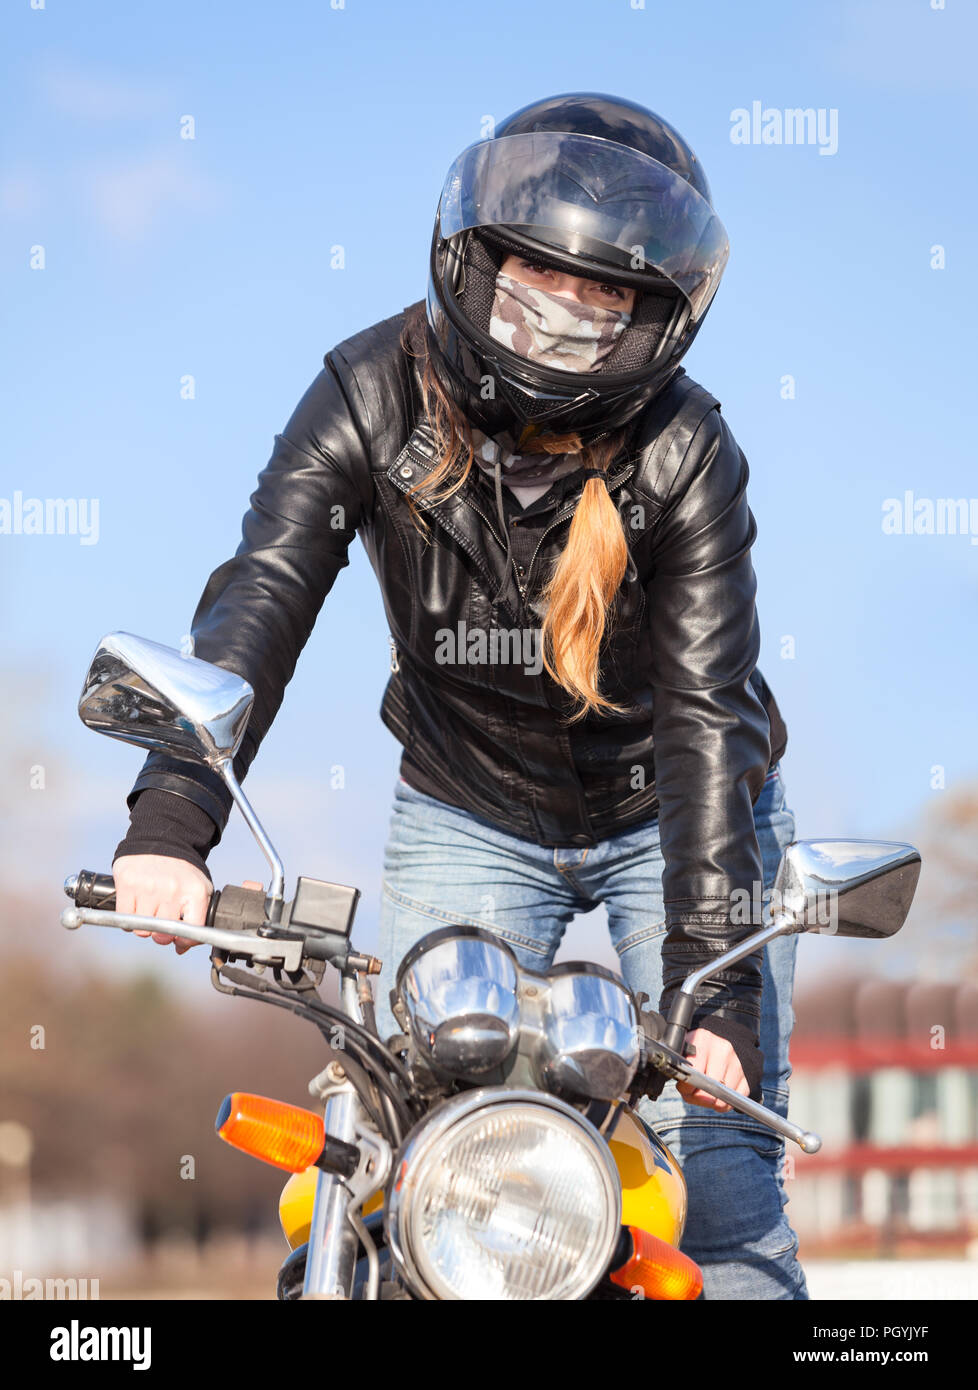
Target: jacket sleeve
(711,734)
(258,608)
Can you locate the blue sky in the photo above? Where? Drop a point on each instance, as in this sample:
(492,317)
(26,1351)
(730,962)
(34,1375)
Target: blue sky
(317,127)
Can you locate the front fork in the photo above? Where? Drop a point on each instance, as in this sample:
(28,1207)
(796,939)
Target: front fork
(331,1258)
(332,1255)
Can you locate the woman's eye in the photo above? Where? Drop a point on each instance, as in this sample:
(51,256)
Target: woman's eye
(606,291)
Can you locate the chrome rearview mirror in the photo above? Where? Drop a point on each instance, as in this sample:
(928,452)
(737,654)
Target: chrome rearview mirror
(846,887)
(155,697)
(834,887)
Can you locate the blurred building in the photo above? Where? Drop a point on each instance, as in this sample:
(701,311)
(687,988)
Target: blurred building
(887,1074)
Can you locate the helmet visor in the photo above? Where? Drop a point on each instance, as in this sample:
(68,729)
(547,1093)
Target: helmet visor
(594,198)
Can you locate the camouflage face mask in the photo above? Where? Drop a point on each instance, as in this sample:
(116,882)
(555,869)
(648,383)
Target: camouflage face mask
(553,329)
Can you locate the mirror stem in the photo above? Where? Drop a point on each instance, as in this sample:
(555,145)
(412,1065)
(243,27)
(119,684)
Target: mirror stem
(276,893)
(684,1003)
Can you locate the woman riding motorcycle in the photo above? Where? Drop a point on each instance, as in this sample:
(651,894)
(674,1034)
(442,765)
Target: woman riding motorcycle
(557,517)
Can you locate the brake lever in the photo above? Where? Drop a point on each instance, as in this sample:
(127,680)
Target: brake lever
(806,1139)
(670,1066)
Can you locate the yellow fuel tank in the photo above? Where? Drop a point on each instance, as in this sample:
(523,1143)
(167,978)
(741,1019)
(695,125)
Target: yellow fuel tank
(295,1206)
(652,1184)
(653,1189)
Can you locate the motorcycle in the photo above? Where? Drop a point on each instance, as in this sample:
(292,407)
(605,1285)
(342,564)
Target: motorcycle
(491,1149)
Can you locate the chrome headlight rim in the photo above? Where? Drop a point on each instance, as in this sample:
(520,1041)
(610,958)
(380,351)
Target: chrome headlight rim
(426,1135)
(588,967)
(442,934)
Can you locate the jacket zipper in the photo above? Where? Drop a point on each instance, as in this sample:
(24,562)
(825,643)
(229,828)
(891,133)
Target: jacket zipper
(492,531)
(517,568)
(395,662)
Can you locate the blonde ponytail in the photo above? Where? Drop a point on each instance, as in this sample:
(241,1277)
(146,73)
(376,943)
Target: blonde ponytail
(583,587)
(581,590)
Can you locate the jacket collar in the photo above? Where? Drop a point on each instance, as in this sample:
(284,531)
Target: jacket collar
(419,455)
(458,515)
(661,431)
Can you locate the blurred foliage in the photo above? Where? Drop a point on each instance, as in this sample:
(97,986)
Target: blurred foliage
(127,1086)
(950,853)
(940,940)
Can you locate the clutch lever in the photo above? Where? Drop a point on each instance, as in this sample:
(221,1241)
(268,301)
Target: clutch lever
(239,923)
(264,949)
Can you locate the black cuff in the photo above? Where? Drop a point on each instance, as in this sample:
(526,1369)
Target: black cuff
(171,825)
(198,784)
(744,1043)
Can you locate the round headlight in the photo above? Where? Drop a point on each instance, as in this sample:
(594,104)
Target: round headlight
(504,1194)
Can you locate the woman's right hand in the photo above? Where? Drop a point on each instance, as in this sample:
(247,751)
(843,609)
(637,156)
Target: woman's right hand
(156,885)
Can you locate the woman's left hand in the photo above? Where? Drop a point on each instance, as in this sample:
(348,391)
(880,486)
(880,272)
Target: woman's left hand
(716,1058)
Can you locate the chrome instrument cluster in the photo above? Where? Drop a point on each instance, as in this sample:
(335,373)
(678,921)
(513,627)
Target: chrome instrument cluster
(474,1013)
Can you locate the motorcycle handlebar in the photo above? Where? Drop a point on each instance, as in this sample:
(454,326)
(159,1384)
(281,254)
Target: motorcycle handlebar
(237,920)
(231,909)
(91,889)
(235,910)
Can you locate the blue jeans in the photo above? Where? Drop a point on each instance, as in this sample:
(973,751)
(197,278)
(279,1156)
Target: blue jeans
(443,865)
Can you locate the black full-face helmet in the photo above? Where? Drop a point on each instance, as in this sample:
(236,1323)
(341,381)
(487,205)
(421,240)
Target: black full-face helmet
(597,187)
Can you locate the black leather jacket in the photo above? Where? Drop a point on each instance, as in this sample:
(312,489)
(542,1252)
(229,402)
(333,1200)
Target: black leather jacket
(702,728)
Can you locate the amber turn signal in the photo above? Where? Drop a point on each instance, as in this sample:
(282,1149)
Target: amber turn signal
(658,1269)
(284,1135)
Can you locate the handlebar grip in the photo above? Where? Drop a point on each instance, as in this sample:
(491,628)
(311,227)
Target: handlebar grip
(239,908)
(91,889)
